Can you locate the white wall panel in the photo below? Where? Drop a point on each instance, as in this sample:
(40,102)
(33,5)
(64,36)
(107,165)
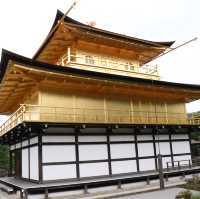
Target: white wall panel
(164,148)
(58,139)
(145,149)
(93,169)
(34,173)
(58,172)
(147,164)
(183,159)
(144,137)
(122,150)
(92,138)
(12,147)
(93,152)
(25,163)
(25,143)
(18,145)
(179,136)
(34,140)
(58,153)
(124,166)
(122,138)
(165,160)
(181,147)
(161,137)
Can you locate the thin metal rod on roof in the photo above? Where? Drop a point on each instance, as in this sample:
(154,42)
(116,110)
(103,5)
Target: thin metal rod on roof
(172,49)
(56,26)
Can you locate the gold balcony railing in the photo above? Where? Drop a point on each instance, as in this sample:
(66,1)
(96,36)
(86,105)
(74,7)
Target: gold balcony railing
(36,113)
(106,65)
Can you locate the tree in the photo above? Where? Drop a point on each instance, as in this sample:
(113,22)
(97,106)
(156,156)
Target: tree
(4,157)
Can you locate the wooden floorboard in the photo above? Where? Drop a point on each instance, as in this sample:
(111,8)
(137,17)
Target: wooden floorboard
(26,185)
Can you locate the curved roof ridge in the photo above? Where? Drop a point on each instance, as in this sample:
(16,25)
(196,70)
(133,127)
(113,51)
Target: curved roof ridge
(159,43)
(69,20)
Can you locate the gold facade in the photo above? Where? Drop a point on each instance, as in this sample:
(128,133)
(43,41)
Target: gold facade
(87,60)
(112,83)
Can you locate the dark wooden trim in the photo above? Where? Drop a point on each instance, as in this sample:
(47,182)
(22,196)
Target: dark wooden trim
(180,140)
(30,180)
(107,160)
(57,143)
(171,148)
(190,142)
(40,157)
(10,163)
(29,146)
(147,157)
(123,159)
(59,134)
(181,154)
(109,155)
(92,143)
(136,150)
(77,154)
(29,158)
(154,147)
(21,154)
(123,142)
(57,163)
(176,140)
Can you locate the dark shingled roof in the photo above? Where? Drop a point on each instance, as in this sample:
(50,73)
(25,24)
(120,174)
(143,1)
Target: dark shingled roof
(7,55)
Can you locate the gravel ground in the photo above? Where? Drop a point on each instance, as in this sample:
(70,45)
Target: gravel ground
(169,193)
(3,195)
(163,194)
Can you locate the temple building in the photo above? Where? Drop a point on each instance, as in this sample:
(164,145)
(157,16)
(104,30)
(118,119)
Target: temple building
(88,106)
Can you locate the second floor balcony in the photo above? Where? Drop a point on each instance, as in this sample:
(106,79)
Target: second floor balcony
(108,65)
(36,113)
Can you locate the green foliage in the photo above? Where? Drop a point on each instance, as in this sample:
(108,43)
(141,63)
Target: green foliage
(193,184)
(196,197)
(195,136)
(184,195)
(4,158)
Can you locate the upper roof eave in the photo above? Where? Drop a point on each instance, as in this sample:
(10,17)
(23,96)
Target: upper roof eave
(67,19)
(31,63)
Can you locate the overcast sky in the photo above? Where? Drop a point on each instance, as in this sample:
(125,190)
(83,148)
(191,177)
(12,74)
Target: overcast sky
(25,23)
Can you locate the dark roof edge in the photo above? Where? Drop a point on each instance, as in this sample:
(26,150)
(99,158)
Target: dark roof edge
(67,19)
(165,44)
(58,16)
(7,55)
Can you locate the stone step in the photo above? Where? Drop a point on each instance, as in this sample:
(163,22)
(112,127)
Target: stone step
(6,189)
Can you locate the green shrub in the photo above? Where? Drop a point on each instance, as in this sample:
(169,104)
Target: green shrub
(195,197)
(193,183)
(184,195)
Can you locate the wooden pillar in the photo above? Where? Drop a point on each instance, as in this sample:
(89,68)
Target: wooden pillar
(40,156)
(77,153)
(154,132)
(109,155)
(171,149)
(46,194)
(136,150)
(68,55)
(29,158)
(161,174)
(10,162)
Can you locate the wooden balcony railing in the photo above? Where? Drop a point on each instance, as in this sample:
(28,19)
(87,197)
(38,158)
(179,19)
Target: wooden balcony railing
(96,63)
(36,113)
